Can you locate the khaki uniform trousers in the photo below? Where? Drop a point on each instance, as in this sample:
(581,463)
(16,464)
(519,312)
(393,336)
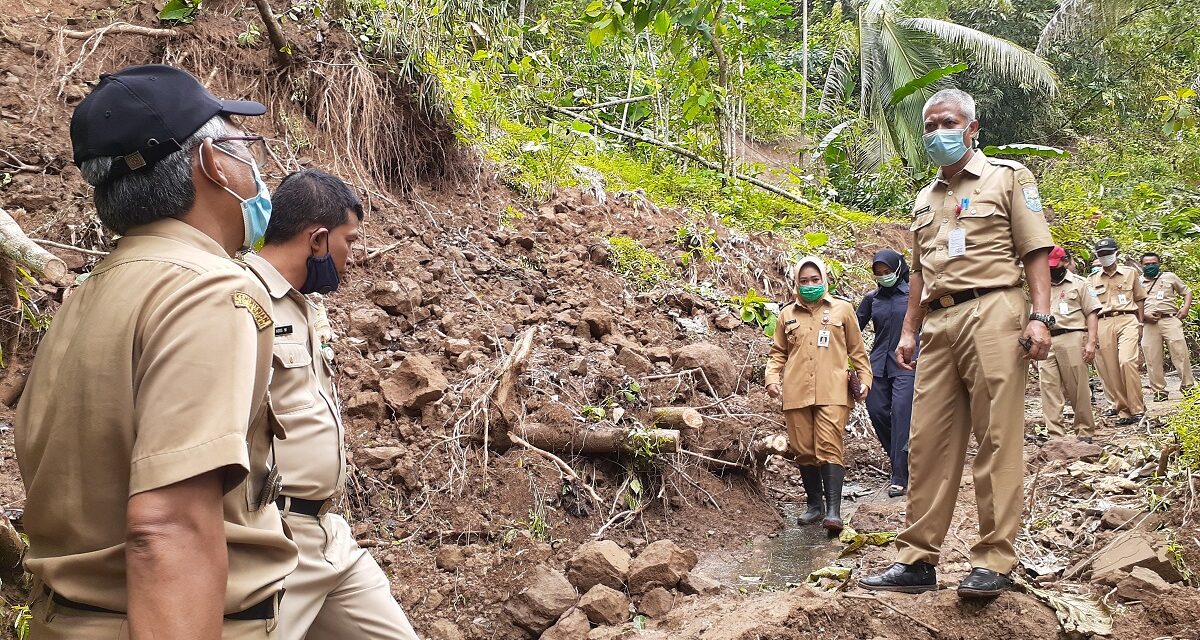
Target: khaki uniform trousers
(815,433)
(1117,363)
(970,380)
(55,622)
(337,591)
(1169,330)
(1065,375)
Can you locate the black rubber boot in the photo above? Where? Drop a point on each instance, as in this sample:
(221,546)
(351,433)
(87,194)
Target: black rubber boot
(814,494)
(832,476)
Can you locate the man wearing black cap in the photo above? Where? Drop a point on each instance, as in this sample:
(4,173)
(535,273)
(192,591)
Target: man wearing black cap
(1121,296)
(142,435)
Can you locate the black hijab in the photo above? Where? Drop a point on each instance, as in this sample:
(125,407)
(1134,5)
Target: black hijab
(893,259)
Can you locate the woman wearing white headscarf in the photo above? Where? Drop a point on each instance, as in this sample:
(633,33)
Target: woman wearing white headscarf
(815,337)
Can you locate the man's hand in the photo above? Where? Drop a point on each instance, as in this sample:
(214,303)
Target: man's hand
(1089,352)
(1183,314)
(774,390)
(862,396)
(904,351)
(1037,337)
(1152,317)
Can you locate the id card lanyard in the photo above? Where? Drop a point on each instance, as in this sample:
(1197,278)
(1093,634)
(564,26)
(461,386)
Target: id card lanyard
(956,242)
(823,334)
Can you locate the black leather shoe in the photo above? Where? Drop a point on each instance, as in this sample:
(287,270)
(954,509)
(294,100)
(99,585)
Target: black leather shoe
(1161,396)
(917,577)
(983,583)
(815,495)
(1087,439)
(1110,413)
(895,491)
(1133,419)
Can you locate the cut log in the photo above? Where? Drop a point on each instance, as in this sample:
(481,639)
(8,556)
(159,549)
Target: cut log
(12,550)
(678,418)
(601,440)
(26,253)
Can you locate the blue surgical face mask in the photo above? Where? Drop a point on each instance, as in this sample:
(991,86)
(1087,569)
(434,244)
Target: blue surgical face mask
(322,276)
(256,210)
(945,146)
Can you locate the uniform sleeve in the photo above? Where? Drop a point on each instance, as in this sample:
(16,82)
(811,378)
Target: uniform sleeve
(1029,229)
(864,311)
(1181,288)
(779,354)
(1089,302)
(204,361)
(915,266)
(856,349)
(1139,290)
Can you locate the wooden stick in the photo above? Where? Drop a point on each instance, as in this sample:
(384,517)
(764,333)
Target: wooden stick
(375,253)
(564,467)
(610,103)
(705,458)
(69,247)
(932,629)
(15,244)
(121,27)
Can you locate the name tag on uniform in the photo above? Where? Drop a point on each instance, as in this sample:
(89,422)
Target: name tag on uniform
(823,338)
(1158,295)
(285,330)
(957,243)
(1122,299)
(1064,309)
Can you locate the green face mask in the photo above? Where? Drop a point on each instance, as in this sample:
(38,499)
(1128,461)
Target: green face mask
(889,280)
(812,293)
(1151,270)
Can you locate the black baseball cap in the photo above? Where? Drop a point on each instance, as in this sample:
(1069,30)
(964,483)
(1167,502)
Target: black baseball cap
(1107,245)
(143,114)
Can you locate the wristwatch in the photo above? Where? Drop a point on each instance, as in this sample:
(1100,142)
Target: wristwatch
(1044,318)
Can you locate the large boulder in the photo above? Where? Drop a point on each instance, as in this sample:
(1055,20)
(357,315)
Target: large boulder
(539,605)
(365,404)
(368,323)
(635,363)
(1138,549)
(573,625)
(604,605)
(595,323)
(1142,584)
(414,384)
(661,564)
(716,364)
(603,562)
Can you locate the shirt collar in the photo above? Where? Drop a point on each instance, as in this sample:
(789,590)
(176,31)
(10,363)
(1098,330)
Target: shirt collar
(974,166)
(276,284)
(179,231)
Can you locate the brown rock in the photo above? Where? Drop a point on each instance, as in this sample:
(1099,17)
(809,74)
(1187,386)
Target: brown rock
(1069,449)
(414,384)
(598,322)
(368,323)
(603,562)
(699,584)
(365,404)
(635,363)
(659,354)
(1139,549)
(397,297)
(716,364)
(456,346)
(1142,584)
(604,605)
(378,457)
(450,557)
(1125,517)
(539,605)
(661,564)
(725,321)
(657,603)
(444,630)
(572,625)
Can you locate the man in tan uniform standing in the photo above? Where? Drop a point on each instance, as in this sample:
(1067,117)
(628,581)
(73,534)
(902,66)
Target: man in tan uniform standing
(1121,296)
(338,591)
(973,228)
(1065,372)
(142,434)
(1164,323)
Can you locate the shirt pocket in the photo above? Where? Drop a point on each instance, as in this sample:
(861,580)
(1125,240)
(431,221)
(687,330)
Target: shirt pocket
(290,390)
(922,220)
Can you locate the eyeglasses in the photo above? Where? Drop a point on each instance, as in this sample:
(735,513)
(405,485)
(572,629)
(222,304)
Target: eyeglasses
(257,145)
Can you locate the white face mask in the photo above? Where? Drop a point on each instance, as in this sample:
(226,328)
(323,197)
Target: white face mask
(1108,260)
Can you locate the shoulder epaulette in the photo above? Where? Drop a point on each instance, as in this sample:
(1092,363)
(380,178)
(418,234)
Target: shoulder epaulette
(1002,162)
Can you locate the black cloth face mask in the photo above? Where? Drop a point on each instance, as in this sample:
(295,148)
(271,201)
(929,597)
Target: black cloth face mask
(322,276)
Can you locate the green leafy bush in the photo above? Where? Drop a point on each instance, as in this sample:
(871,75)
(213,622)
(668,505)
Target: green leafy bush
(637,265)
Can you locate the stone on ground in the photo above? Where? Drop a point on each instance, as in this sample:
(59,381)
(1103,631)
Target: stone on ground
(657,603)
(1125,517)
(1069,449)
(573,625)
(414,384)
(1141,584)
(1139,549)
(699,584)
(603,562)
(661,564)
(539,605)
(604,605)
(714,361)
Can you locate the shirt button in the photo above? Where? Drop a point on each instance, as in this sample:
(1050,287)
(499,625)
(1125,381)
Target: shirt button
(949,193)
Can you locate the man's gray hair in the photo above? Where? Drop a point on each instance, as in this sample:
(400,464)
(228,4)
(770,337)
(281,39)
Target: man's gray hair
(165,190)
(956,97)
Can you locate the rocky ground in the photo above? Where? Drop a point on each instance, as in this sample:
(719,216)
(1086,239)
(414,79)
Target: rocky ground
(484,538)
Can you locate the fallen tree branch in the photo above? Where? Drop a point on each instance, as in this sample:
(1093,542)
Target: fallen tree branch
(16,245)
(610,103)
(932,629)
(120,27)
(69,247)
(375,253)
(724,463)
(564,467)
(279,45)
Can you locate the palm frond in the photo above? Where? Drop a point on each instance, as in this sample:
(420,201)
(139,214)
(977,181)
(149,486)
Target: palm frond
(871,61)
(1081,16)
(840,68)
(997,56)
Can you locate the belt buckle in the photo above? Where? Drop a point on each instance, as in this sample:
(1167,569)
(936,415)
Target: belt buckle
(946,301)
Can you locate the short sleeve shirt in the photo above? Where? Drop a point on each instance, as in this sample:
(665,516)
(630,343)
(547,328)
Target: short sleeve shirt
(154,371)
(1163,293)
(971,231)
(303,399)
(1071,302)
(1119,292)
(812,368)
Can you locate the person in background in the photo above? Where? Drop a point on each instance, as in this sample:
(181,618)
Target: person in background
(338,590)
(1121,296)
(890,401)
(815,337)
(1164,316)
(1065,372)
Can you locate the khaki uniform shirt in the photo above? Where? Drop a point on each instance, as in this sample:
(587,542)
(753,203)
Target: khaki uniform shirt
(979,245)
(1072,302)
(304,404)
(812,374)
(1163,293)
(1119,292)
(154,371)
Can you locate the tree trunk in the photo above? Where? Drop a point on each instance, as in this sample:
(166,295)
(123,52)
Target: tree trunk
(279,45)
(685,420)
(601,440)
(12,550)
(41,263)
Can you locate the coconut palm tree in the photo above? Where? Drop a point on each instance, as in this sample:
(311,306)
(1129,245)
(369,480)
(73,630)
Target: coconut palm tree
(892,51)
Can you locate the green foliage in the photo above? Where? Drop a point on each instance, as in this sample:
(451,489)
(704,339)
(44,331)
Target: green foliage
(1179,110)
(631,392)
(537,525)
(932,77)
(180,11)
(639,267)
(251,37)
(1027,150)
(1184,424)
(645,446)
(698,243)
(592,413)
(752,308)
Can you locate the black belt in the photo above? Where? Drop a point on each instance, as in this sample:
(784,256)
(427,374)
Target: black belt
(1109,314)
(314,508)
(264,610)
(951,299)
(1059,332)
